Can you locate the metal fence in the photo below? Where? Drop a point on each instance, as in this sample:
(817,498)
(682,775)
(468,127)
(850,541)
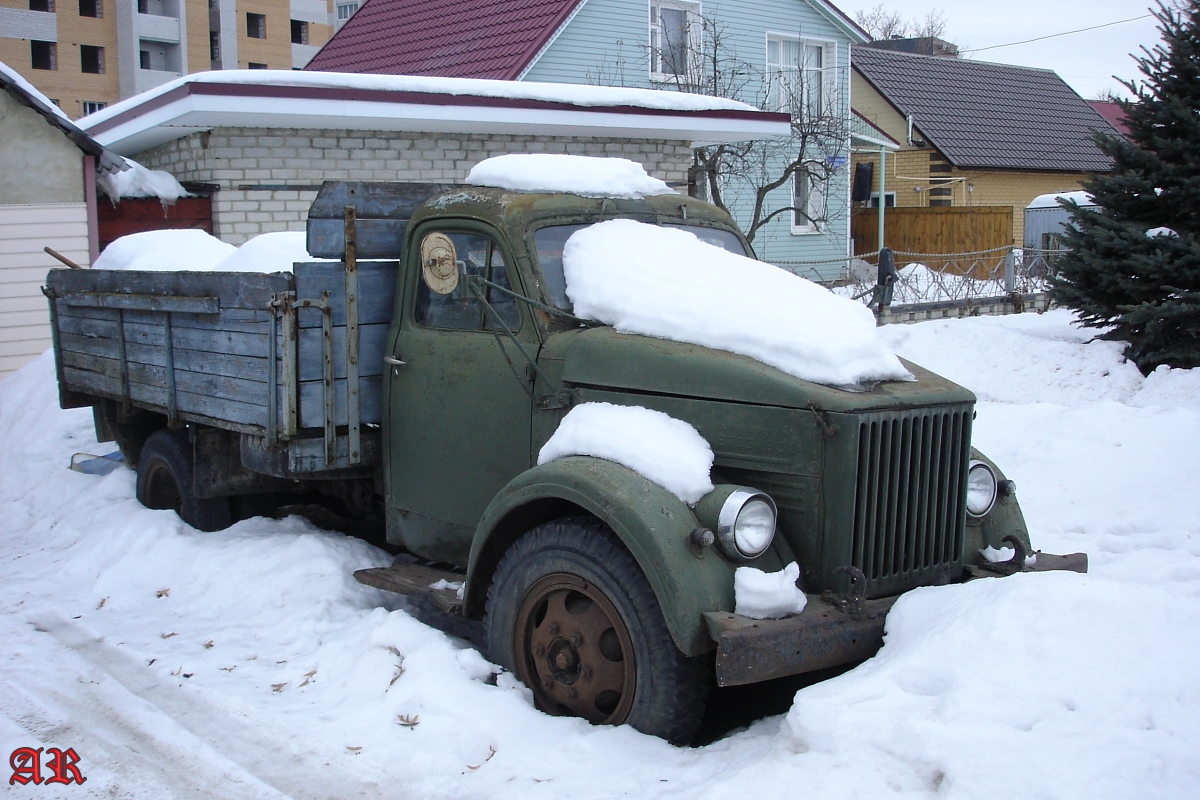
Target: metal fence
(1001,280)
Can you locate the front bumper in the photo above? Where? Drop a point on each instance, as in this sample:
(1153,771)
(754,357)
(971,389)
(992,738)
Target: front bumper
(831,631)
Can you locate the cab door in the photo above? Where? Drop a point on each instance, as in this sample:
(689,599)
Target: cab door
(456,390)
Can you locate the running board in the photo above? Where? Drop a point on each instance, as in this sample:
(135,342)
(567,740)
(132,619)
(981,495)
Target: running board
(417,580)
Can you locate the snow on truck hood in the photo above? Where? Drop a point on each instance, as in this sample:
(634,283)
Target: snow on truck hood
(666,283)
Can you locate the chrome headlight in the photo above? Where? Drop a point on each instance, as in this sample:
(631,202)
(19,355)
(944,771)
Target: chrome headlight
(981,489)
(746,524)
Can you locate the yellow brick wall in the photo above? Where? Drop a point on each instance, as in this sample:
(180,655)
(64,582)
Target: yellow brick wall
(68,84)
(199,53)
(276,50)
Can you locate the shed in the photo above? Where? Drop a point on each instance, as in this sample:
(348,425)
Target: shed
(267,139)
(1045,219)
(47,199)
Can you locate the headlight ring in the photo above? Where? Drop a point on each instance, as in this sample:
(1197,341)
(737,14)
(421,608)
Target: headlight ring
(982,489)
(746,525)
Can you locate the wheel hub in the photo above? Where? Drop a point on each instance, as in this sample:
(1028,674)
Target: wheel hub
(574,650)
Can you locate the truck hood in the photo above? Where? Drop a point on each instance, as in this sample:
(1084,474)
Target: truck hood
(603,358)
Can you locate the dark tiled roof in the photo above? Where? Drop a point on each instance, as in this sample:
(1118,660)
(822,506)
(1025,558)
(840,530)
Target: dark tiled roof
(989,116)
(452,38)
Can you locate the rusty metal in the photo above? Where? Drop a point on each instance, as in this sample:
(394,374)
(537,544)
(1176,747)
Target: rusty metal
(1043,562)
(821,636)
(415,580)
(574,651)
(172,394)
(853,601)
(273,369)
(55,254)
(291,375)
(353,390)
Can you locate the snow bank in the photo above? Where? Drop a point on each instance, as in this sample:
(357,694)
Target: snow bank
(665,282)
(582,175)
(1051,200)
(1168,233)
(263,667)
(138,181)
(659,447)
(165,251)
(768,595)
(16,78)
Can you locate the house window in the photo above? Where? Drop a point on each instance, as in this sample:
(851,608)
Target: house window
(808,203)
(92,106)
(256,65)
(346,10)
(299,32)
(41,5)
(144,59)
(675,30)
(889,200)
(91,8)
(799,74)
(256,26)
(43,55)
(214,45)
(91,59)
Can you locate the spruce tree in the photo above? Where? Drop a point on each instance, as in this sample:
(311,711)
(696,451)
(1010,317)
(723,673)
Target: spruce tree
(1144,288)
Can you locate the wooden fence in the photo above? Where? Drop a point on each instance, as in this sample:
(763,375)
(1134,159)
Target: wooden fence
(933,230)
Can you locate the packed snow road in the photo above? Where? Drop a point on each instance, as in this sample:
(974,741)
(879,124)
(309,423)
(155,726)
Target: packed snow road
(248,663)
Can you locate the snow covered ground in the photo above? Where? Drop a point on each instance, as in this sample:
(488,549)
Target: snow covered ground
(248,663)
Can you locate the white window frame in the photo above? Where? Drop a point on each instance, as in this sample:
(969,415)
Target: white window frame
(692,15)
(889,200)
(782,71)
(813,201)
(345,11)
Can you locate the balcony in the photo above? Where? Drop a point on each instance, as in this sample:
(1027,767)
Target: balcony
(156,28)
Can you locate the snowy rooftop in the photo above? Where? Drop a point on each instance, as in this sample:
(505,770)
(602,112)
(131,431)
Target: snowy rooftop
(291,99)
(1051,200)
(553,172)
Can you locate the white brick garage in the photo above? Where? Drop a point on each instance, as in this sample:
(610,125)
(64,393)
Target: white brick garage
(266,139)
(268,177)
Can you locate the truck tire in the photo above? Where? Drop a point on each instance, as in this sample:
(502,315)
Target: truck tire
(164,480)
(571,614)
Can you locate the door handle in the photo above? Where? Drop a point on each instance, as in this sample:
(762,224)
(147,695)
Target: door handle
(395,362)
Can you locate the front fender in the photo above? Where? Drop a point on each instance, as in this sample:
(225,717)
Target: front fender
(1004,519)
(652,523)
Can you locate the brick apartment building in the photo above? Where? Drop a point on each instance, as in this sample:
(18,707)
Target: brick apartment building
(86,54)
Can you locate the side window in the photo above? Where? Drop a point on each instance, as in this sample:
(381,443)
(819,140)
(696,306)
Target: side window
(444,298)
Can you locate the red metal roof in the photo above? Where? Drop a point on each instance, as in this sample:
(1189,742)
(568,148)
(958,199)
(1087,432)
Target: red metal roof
(1113,113)
(452,38)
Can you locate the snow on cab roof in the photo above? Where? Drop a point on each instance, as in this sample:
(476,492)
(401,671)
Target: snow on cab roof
(588,176)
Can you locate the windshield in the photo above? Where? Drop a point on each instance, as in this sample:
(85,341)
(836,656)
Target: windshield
(550,241)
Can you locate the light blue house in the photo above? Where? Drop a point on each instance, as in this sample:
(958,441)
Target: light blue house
(781,55)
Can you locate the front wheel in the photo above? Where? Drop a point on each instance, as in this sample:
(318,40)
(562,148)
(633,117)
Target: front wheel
(572,615)
(164,480)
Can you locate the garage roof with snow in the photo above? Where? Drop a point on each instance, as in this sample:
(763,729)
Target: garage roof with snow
(331,100)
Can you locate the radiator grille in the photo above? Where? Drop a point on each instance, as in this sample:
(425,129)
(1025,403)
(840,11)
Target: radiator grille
(909,512)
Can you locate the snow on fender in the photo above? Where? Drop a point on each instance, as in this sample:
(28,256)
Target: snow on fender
(768,595)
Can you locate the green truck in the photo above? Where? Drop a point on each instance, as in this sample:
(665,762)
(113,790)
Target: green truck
(418,374)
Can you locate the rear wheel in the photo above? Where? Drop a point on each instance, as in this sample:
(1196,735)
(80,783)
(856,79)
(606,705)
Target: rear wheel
(164,481)
(572,615)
